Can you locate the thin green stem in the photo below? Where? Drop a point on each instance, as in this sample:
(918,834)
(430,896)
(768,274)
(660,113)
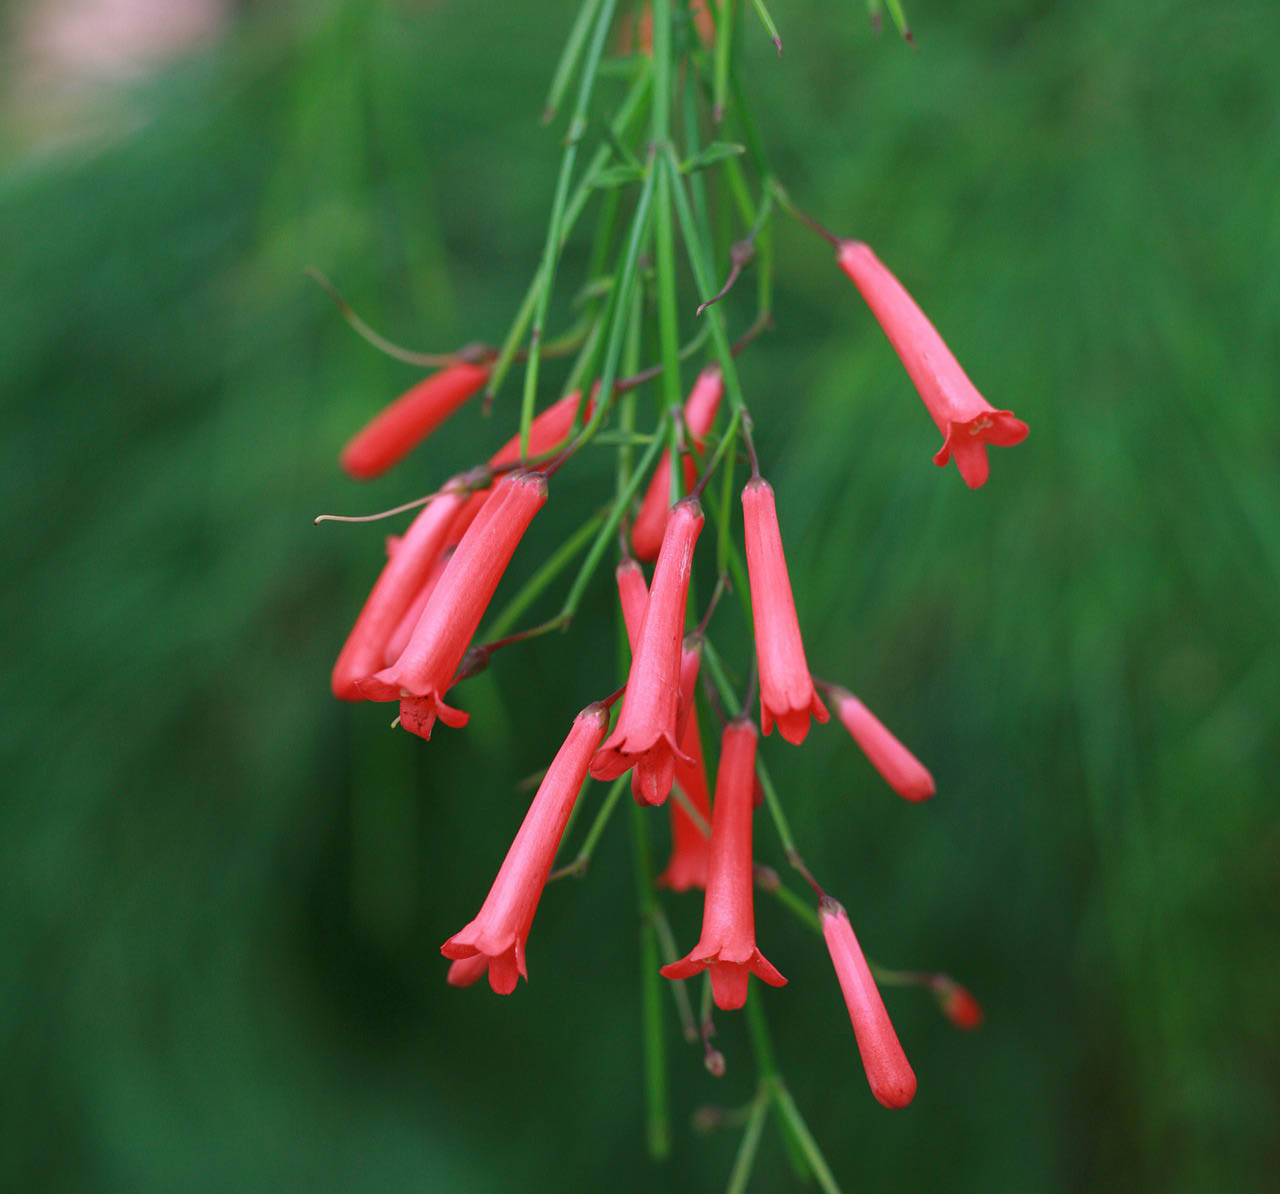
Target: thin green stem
(679,991)
(607,532)
(655,1058)
(578,866)
(774,806)
(724,50)
(551,251)
(744,1162)
(569,58)
(799,1131)
(711,657)
(533,588)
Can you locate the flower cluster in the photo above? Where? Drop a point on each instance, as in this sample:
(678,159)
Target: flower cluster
(418,636)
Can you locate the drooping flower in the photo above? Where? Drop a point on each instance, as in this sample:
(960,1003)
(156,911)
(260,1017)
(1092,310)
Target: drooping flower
(960,1007)
(728,941)
(409,619)
(399,428)
(403,576)
(426,667)
(689,845)
(699,415)
(902,771)
(787,695)
(546,433)
(968,422)
(889,1074)
(645,735)
(466,971)
(500,929)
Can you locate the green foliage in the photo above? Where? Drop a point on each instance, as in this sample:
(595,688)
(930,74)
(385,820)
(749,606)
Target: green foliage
(224,893)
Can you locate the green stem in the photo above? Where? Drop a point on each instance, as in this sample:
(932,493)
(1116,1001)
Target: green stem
(569,58)
(607,532)
(551,252)
(799,1131)
(775,809)
(538,582)
(762,1047)
(655,1058)
(578,867)
(744,1162)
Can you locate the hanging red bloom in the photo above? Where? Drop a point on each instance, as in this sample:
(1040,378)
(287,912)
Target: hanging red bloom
(728,941)
(699,415)
(787,694)
(403,576)
(889,1074)
(690,846)
(645,736)
(968,422)
(501,927)
(425,669)
(902,771)
(409,619)
(399,428)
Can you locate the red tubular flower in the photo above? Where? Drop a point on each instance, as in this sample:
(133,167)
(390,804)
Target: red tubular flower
(633,596)
(956,1003)
(786,688)
(409,619)
(699,415)
(466,971)
(425,669)
(728,940)
(690,847)
(546,433)
(399,428)
(902,771)
(889,1074)
(645,736)
(501,928)
(402,577)
(968,422)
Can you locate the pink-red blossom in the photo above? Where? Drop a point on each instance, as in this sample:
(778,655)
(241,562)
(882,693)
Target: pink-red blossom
(902,771)
(500,929)
(403,576)
(728,941)
(645,735)
(889,1074)
(968,422)
(399,428)
(422,674)
(787,695)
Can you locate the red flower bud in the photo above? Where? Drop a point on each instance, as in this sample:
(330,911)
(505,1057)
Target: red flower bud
(956,1003)
(968,422)
(728,941)
(786,688)
(699,415)
(902,771)
(889,1073)
(399,428)
(501,927)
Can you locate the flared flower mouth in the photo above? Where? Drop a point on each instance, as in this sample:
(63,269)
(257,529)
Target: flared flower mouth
(967,441)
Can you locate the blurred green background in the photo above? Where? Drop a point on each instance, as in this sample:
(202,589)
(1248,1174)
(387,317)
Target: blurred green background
(223,893)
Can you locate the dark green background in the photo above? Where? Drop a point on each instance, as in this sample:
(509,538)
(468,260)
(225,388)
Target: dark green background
(223,892)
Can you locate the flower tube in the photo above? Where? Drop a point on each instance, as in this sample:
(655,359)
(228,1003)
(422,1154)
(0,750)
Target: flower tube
(399,428)
(787,695)
(500,929)
(403,576)
(902,771)
(889,1074)
(645,735)
(426,667)
(968,422)
(728,941)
